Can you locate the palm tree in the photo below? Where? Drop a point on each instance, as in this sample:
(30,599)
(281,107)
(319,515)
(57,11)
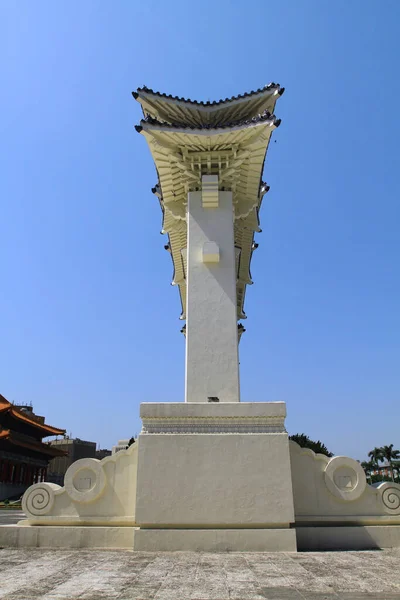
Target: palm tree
(390,455)
(376,456)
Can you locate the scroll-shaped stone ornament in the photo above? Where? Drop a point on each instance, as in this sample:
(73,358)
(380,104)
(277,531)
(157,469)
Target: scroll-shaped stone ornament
(345,478)
(38,499)
(85,480)
(390,497)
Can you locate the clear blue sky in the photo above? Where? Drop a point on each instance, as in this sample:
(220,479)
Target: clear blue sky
(89,322)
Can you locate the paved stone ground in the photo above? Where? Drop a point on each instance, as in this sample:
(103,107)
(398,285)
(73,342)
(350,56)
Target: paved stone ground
(38,574)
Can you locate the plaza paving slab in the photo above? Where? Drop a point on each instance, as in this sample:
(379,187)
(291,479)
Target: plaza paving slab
(39,574)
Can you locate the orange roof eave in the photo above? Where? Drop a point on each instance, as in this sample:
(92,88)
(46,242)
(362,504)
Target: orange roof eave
(4,434)
(40,447)
(5,406)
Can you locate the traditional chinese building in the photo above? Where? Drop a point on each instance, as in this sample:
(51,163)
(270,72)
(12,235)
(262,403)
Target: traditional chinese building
(24,457)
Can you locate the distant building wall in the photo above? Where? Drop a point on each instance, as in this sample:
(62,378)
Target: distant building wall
(100,454)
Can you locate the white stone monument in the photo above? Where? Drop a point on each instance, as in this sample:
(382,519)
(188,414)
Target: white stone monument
(211,473)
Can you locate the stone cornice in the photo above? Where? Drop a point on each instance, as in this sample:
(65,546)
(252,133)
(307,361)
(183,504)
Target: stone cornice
(208,418)
(221,425)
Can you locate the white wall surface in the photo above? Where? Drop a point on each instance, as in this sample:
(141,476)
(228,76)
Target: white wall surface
(212,364)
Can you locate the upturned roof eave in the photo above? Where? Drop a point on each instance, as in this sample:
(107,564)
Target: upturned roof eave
(34,446)
(6,406)
(272,89)
(242,125)
(145,126)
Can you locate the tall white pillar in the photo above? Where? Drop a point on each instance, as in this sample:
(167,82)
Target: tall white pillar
(212,364)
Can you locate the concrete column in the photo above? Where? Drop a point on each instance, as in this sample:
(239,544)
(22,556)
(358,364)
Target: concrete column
(212,365)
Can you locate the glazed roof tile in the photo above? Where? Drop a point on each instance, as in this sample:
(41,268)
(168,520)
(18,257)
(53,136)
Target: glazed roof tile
(270,86)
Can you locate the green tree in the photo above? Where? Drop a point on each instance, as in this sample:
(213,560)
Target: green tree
(389,455)
(304,441)
(376,456)
(368,467)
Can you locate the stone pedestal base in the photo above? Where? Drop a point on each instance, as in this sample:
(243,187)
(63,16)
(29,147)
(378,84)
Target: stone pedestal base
(214,476)
(51,536)
(216,540)
(362,537)
(211,477)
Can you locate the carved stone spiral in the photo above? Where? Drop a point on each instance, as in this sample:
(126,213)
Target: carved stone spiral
(39,499)
(345,478)
(391,498)
(85,480)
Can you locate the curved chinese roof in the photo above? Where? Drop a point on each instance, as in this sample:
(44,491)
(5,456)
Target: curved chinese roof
(11,440)
(228,138)
(11,413)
